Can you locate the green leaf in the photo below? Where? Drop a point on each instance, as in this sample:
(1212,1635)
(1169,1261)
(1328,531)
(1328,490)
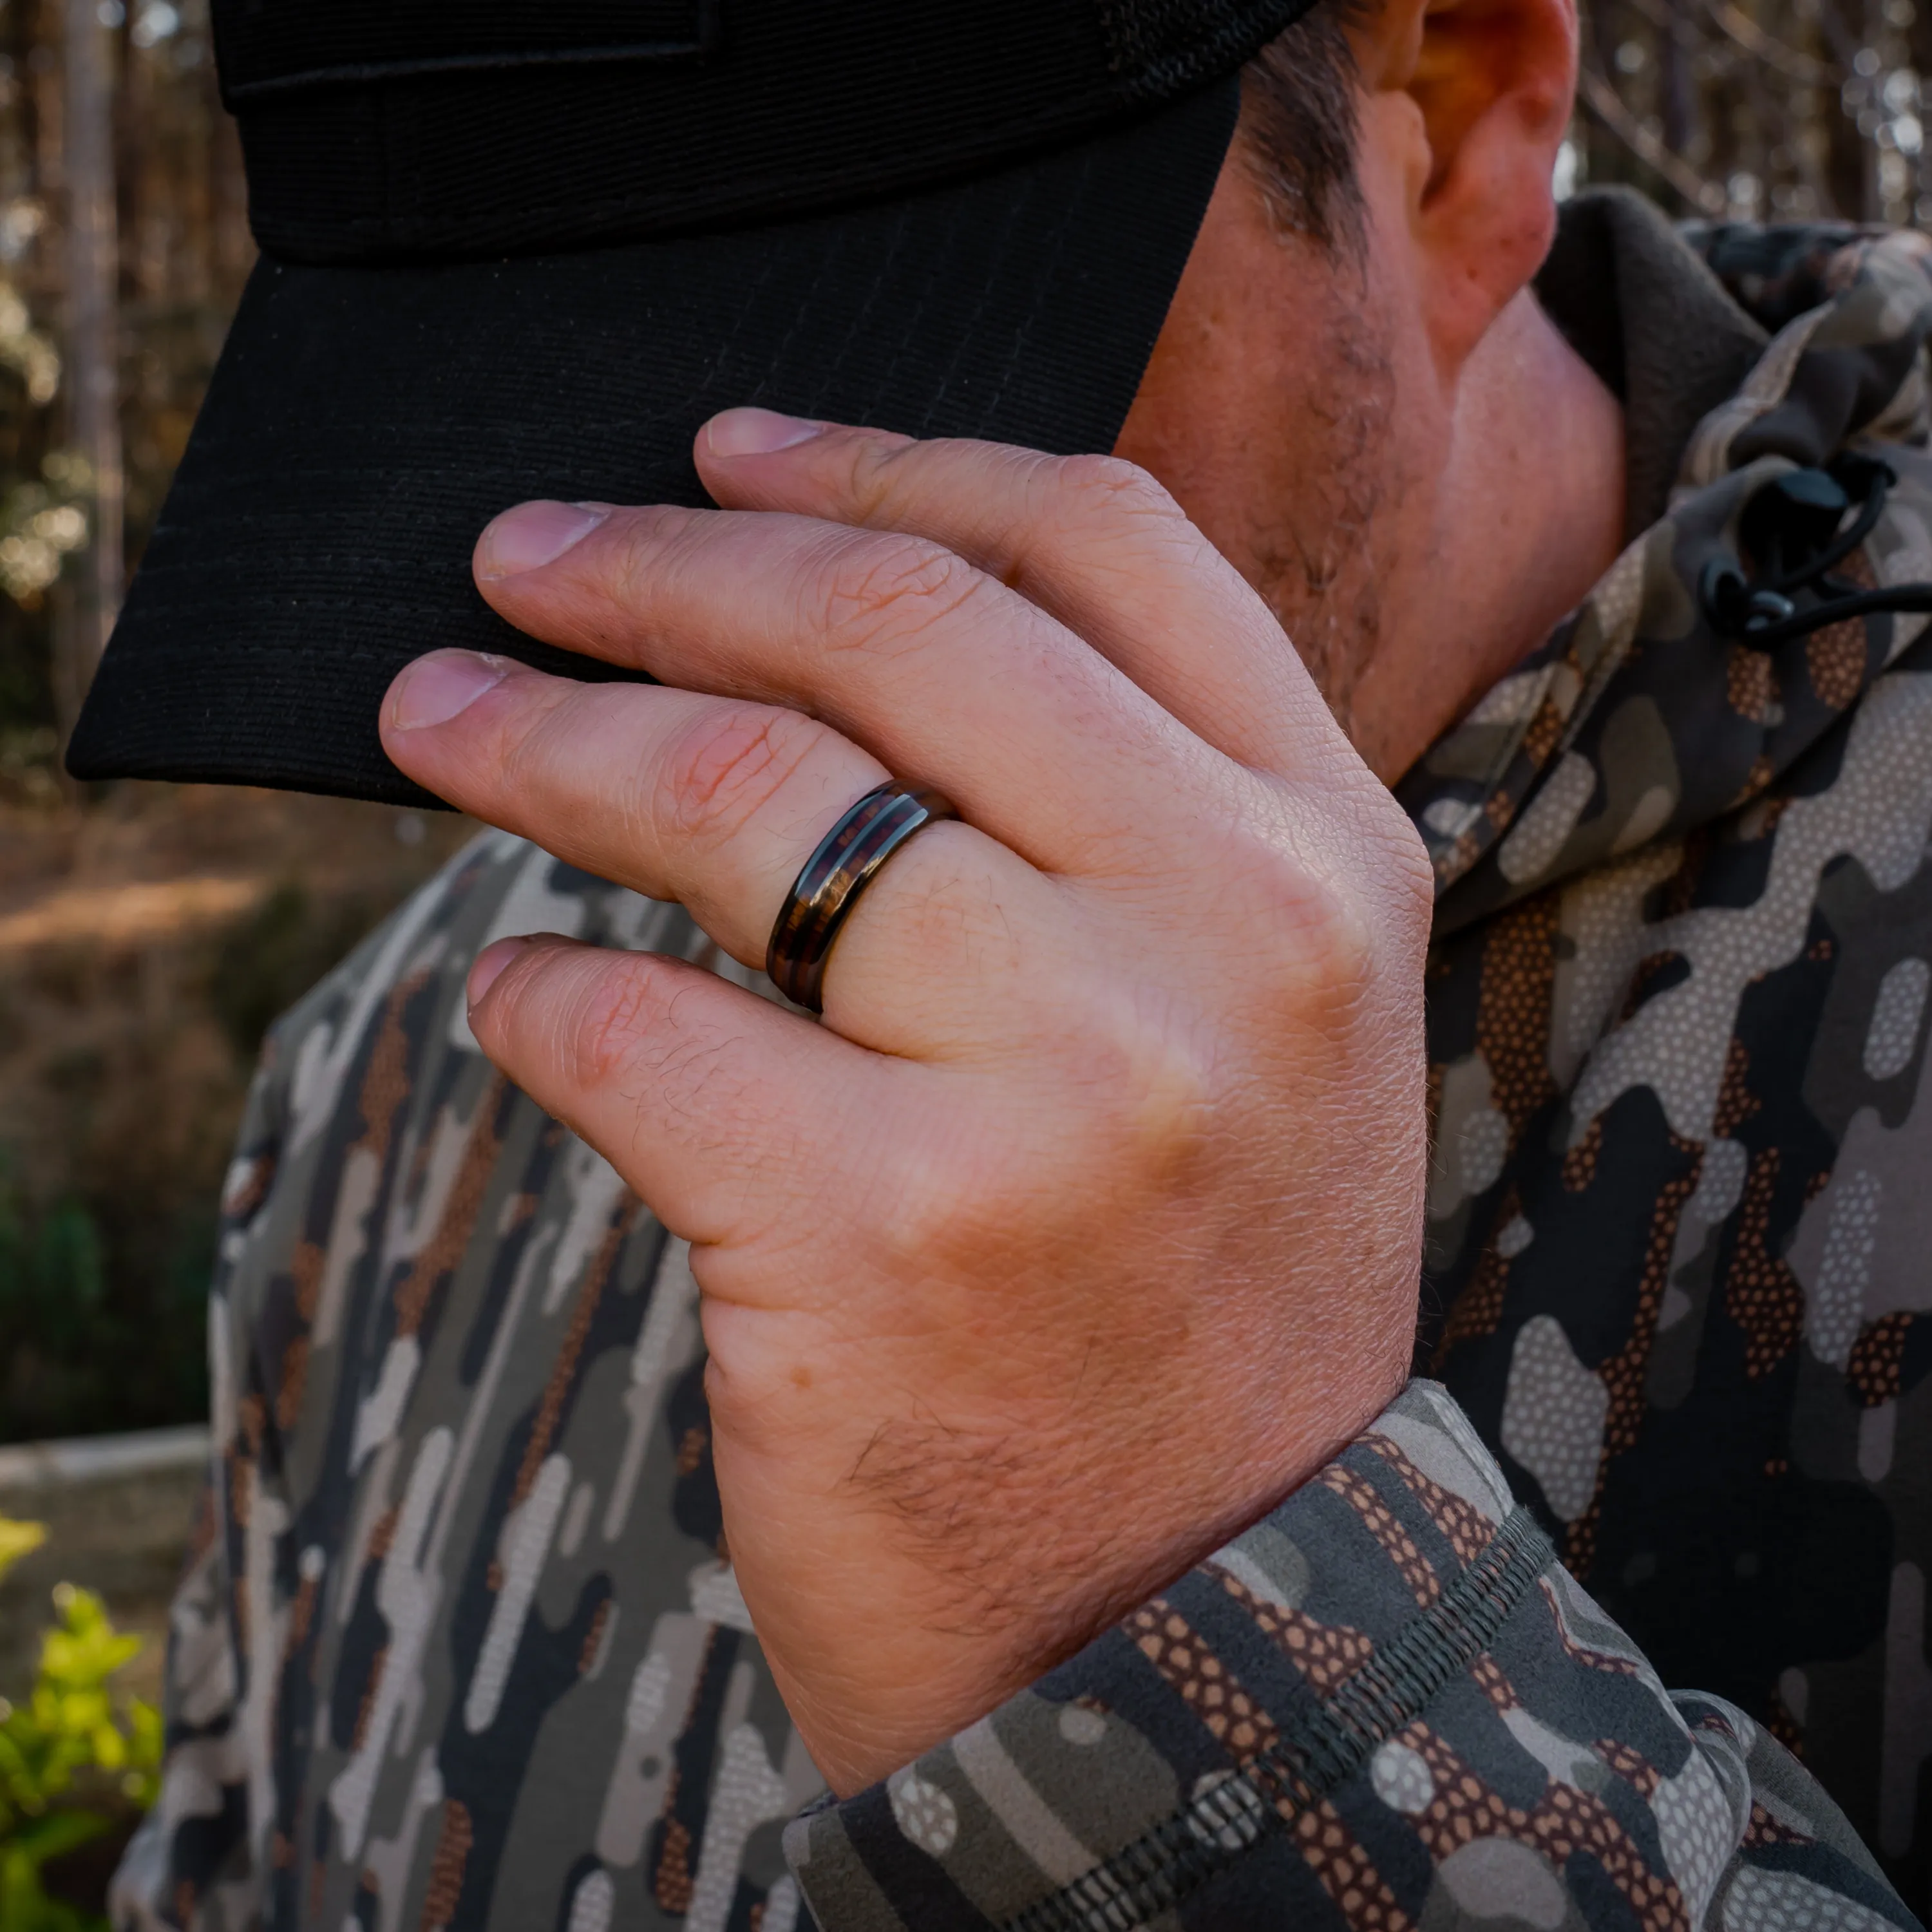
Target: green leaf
(73,1734)
(58,1833)
(17,1539)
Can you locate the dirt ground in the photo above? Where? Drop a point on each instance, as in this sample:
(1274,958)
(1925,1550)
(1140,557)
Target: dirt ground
(121,929)
(146,939)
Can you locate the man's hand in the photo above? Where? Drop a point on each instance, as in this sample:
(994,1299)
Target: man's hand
(1087,1225)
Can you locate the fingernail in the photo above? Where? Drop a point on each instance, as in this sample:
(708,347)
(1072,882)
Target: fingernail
(750,432)
(490,962)
(433,689)
(532,535)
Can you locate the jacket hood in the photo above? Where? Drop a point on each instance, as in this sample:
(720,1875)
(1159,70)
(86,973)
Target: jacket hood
(1636,725)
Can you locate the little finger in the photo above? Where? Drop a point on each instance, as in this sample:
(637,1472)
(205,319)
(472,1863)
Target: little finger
(715,1106)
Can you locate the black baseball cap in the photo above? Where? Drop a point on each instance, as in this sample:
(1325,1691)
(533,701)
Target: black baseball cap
(520,248)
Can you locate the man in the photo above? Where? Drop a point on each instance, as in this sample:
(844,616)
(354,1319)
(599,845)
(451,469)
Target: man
(1059,1291)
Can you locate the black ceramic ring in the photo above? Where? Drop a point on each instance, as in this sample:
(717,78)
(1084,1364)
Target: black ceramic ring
(848,859)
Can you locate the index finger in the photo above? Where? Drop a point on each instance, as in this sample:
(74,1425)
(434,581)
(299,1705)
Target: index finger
(1092,541)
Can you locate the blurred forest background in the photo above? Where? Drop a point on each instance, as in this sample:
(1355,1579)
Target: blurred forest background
(148,933)
(1758,110)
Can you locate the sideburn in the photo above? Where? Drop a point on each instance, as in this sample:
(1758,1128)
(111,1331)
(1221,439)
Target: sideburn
(1298,115)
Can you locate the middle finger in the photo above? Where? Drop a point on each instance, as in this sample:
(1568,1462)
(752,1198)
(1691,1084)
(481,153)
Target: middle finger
(948,677)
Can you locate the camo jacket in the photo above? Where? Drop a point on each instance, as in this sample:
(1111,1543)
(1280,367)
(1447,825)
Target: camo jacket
(459,1644)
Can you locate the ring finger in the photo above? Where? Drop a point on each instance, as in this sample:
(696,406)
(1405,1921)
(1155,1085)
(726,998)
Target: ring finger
(717,803)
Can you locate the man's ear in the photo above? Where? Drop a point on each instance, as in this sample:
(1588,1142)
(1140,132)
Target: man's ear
(1465,103)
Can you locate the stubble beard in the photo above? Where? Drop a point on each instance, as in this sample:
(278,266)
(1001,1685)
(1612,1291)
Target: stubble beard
(1325,558)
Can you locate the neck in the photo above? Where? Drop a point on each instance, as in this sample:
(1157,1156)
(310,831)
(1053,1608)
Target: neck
(1527,515)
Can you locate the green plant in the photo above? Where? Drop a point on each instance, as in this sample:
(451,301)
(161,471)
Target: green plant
(17,1541)
(56,1333)
(75,1757)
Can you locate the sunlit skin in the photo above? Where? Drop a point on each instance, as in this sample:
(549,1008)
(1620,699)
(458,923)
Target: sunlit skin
(1401,453)
(1087,1225)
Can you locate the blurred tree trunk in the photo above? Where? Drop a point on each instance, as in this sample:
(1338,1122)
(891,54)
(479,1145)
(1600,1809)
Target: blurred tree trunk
(1679,107)
(1757,110)
(124,245)
(93,342)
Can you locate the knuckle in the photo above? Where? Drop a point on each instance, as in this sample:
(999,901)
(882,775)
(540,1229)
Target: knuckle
(638,1025)
(1327,897)
(1415,876)
(1346,939)
(639,552)
(615,1016)
(1384,868)
(1112,488)
(522,748)
(725,768)
(877,478)
(1127,1109)
(889,590)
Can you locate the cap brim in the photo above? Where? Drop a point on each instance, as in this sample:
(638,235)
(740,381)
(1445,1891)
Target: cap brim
(365,424)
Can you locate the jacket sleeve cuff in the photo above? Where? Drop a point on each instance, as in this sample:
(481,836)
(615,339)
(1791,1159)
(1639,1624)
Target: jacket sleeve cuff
(1386,1689)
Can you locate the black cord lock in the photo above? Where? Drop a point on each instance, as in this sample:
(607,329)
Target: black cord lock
(1794,531)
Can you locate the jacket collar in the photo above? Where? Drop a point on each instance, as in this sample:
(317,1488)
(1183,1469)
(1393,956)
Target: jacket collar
(1634,723)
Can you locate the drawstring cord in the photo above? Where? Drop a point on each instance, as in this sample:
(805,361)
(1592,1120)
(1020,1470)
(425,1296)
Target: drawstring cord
(1790,531)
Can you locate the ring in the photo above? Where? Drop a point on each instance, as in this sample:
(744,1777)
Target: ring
(828,886)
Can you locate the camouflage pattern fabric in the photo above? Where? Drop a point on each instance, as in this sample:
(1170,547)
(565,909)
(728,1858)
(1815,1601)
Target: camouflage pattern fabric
(459,1644)
(1679,1271)
(1384,1706)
